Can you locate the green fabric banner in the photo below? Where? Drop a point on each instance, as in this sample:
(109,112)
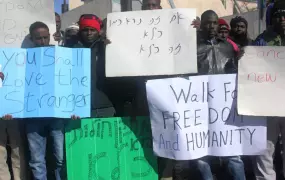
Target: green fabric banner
(110,149)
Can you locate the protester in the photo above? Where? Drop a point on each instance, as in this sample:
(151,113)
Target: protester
(38,129)
(89,37)
(151,4)
(273,36)
(224,30)
(223,62)
(10,131)
(238,31)
(58,35)
(71,35)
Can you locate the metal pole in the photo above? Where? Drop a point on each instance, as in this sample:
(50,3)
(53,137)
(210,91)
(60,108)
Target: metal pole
(237,6)
(64,7)
(126,5)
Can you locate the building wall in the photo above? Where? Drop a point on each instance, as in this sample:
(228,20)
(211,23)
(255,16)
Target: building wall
(75,3)
(202,5)
(100,8)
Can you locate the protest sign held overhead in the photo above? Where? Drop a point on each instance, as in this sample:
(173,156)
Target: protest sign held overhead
(110,148)
(198,117)
(17,15)
(146,43)
(45,82)
(261,86)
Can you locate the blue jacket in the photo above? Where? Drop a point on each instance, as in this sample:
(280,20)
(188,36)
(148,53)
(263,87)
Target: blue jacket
(268,38)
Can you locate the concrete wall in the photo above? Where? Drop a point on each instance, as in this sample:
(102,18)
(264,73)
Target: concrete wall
(202,5)
(100,8)
(74,4)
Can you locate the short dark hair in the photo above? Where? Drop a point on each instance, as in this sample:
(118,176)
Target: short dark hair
(207,13)
(279,5)
(147,0)
(238,19)
(37,25)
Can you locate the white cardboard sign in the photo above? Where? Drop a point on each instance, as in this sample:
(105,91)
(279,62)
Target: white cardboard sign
(261,81)
(198,117)
(157,42)
(16,16)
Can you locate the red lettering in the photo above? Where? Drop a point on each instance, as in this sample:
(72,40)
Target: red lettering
(261,77)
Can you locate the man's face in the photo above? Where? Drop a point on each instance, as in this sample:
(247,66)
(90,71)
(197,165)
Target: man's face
(151,5)
(40,37)
(71,33)
(239,28)
(223,32)
(89,35)
(58,23)
(209,25)
(278,20)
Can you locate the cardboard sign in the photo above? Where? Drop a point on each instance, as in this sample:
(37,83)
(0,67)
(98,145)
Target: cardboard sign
(110,148)
(16,16)
(45,82)
(261,86)
(146,43)
(198,117)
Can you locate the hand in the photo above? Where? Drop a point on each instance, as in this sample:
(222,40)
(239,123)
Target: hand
(107,41)
(1,76)
(74,117)
(196,23)
(240,54)
(57,36)
(7,117)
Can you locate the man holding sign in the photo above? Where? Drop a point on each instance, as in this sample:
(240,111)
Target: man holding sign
(223,62)
(274,36)
(36,128)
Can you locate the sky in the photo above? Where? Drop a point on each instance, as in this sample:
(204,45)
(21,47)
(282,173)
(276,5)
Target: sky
(57,5)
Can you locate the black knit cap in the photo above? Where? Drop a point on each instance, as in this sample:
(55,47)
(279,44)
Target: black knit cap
(238,19)
(278,5)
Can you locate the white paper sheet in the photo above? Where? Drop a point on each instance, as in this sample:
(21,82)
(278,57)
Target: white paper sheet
(16,16)
(160,42)
(261,81)
(198,117)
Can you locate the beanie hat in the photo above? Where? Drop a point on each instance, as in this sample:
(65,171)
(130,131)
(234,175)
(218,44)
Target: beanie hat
(73,26)
(238,19)
(278,6)
(223,22)
(90,20)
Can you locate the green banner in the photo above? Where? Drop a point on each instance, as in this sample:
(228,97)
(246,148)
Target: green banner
(110,149)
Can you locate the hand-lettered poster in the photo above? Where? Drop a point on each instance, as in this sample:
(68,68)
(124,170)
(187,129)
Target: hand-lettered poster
(16,16)
(45,82)
(146,43)
(196,117)
(110,148)
(261,86)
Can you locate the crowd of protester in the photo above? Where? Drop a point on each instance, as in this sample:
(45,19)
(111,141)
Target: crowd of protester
(219,47)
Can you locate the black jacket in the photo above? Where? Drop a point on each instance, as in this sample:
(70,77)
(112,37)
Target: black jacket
(117,92)
(99,99)
(215,57)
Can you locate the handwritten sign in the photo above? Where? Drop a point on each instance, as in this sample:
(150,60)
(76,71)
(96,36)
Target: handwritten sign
(198,117)
(45,82)
(16,16)
(110,148)
(261,84)
(160,42)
